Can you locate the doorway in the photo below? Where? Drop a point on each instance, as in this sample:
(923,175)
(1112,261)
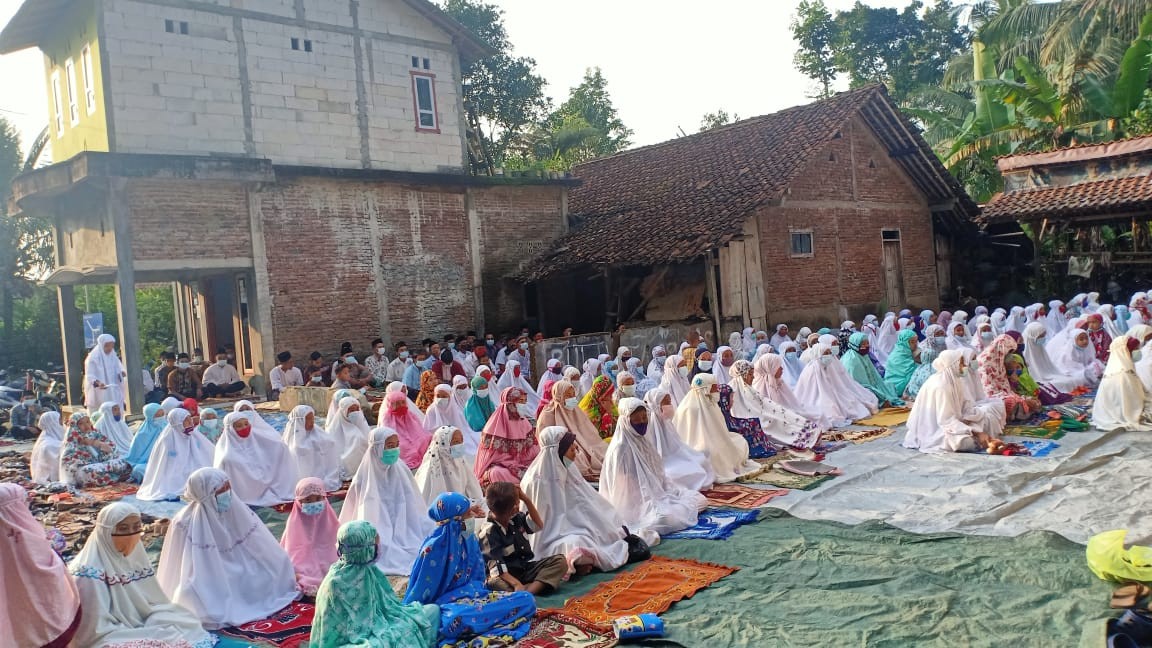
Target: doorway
(893,268)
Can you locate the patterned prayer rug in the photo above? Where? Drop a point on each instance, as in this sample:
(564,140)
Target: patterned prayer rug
(737,496)
(653,586)
(288,628)
(555,629)
(109,493)
(1034,432)
(858,436)
(784,479)
(887,417)
(715,524)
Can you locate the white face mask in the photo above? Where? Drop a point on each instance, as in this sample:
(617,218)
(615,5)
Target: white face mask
(482,393)
(683,371)
(705,365)
(183,365)
(628,390)
(571,403)
(522,409)
(380,351)
(1136,355)
(827,359)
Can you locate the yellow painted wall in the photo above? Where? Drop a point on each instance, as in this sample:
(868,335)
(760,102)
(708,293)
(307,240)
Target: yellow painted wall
(68,40)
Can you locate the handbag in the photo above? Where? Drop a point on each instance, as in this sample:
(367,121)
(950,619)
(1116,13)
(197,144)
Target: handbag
(638,550)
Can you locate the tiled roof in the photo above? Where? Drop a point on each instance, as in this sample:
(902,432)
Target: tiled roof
(674,201)
(1116,195)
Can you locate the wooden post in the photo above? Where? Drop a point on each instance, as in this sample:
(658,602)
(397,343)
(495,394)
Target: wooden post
(713,297)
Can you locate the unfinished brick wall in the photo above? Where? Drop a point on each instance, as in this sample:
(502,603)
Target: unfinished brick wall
(848,193)
(191,220)
(516,225)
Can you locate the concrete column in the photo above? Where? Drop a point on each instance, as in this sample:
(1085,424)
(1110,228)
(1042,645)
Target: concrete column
(476,247)
(259,293)
(126,310)
(72,339)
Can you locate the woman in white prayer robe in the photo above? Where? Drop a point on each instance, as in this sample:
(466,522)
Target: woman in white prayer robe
(384,493)
(943,418)
(121,597)
(219,561)
(957,337)
(993,413)
(563,410)
(885,338)
(684,466)
(444,411)
(701,425)
(514,377)
(179,451)
(1121,401)
(394,388)
(259,466)
(782,425)
(768,381)
(447,468)
(104,375)
(635,481)
(1017,320)
(579,523)
(113,425)
(1055,320)
(45,462)
(313,448)
(349,429)
(1077,357)
(675,378)
(825,387)
(1040,365)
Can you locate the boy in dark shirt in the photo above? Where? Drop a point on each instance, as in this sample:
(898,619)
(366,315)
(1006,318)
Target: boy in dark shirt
(504,542)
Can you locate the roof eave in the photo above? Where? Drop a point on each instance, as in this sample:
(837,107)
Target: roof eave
(28,25)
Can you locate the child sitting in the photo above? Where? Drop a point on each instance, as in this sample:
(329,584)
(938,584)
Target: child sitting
(504,542)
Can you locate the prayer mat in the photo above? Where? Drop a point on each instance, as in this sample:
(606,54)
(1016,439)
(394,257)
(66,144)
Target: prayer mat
(887,417)
(784,479)
(1033,432)
(288,628)
(334,496)
(111,492)
(1040,448)
(858,436)
(650,588)
(555,629)
(737,496)
(715,524)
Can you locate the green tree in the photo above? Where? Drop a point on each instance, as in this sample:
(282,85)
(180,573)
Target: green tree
(815,33)
(717,119)
(503,91)
(591,102)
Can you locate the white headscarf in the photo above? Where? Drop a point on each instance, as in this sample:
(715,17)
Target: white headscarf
(700,424)
(225,567)
(957,342)
(169,404)
(116,431)
(107,369)
(777,390)
(749,340)
(1109,314)
(441,472)
(591,370)
(718,368)
(778,338)
(942,416)
(672,381)
(121,597)
(553,373)
(684,466)
(350,431)
(1055,320)
(259,425)
(1016,320)
(445,411)
(1040,365)
(790,360)
(460,396)
(1121,402)
(174,457)
(635,482)
(386,495)
(827,388)
(260,468)
(314,450)
(392,388)
(998,321)
(579,523)
(783,426)
(1081,362)
(885,338)
(510,379)
(45,461)
(656,366)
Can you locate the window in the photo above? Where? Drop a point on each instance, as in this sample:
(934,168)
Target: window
(295,43)
(416,62)
(184,27)
(424,100)
(57,104)
(89,79)
(170,26)
(801,243)
(73,106)
(427,64)
(890,235)
(307,45)
(174,26)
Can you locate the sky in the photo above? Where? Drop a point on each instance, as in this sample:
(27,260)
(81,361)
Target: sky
(667,62)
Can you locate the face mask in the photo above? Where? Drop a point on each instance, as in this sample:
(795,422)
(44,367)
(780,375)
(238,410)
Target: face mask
(451,345)
(317,379)
(566,461)
(244,433)
(184,365)
(1041,341)
(390,456)
(312,508)
(221,363)
(117,417)
(641,428)
(628,390)
(963,371)
(403,355)
(571,403)
(224,501)
(987,336)
(523,410)
(523,346)
(1136,355)
(705,365)
(683,371)
(939,342)
(457,451)
(489,340)
(426,364)
(211,424)
(791,355)
(380,351)
(862,352)
(29,401)
(667,411)
(827,359)
(482,393)
(350,360)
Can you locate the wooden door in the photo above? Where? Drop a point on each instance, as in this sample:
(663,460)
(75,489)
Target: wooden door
(893,275)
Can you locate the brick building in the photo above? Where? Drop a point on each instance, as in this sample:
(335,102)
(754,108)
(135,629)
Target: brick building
(818,213)
(295,168)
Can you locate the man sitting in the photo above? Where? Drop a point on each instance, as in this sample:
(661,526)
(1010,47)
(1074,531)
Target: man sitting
(284,375)
(183,383)
(221,379)
(318,373)
(167,364)
(23,417)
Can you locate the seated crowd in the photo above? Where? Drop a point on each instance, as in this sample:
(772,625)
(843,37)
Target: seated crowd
(487,486)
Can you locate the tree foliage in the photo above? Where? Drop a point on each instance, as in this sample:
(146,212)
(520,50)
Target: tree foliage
(815,32)
(717,119)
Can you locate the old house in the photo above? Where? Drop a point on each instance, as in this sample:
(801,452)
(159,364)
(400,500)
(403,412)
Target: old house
(817,213)
(1088,207)
(296,168)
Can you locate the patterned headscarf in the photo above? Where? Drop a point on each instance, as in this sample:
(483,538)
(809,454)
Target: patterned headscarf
(603,417)
(428,382)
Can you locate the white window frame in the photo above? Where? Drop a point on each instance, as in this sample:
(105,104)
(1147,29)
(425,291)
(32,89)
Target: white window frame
(57,104)
(89,79)
(811,244)
(418,111)
(70,83)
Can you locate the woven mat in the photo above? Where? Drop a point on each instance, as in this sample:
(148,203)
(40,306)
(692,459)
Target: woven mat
(650,588)
(784,479)
(887,417)
(111,492)
(737,496)
(715,524)
(858,436)
(1034,432)
(288,628)
(555,629)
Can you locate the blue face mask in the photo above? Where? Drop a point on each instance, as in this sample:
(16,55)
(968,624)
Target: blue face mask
(451,345)
(791,355)
(117,417)
(457,451)
(390,456)
(641,428)
(403,355)
(224,501)
(312,508)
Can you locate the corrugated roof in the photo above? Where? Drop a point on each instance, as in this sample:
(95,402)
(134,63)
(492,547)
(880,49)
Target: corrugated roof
(1112,196)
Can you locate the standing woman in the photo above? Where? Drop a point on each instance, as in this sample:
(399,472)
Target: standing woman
(41,604)
(88,457)
(104,375)
(507,444)
(45,463)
